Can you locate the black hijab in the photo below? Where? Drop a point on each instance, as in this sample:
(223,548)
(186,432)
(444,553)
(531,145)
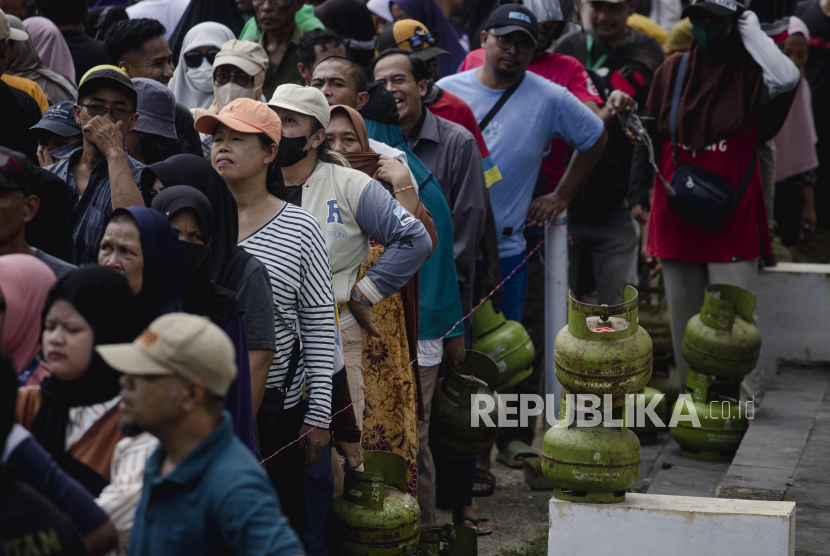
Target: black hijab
(161,290)
(200,11)
(104,298)
(200,295)
(227,260)
(352,20)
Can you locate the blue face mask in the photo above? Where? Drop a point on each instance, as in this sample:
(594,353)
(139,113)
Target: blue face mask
(710,35)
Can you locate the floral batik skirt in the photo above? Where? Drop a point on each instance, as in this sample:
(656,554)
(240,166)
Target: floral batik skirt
(390,420)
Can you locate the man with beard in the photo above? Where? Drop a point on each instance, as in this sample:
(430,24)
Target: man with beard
(202,487)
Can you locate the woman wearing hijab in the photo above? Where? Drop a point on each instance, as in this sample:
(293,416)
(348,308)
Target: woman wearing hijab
(192,81)
(51,46)
(25,62)
(352,21)
(289,242)
(392,414)
(191,217)
(199,12)
(734,93)
(230,266)
(75,413)
(238,72)
(24,284)
(139,243)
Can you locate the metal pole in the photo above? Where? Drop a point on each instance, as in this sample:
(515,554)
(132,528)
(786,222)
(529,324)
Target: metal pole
(556,298)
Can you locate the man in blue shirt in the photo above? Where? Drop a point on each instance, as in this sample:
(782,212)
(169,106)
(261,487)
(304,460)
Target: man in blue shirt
(518,134)
(204,493)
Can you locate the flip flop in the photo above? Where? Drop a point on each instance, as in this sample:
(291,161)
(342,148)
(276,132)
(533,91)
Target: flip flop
(516,449)
(486,478)
(475,522)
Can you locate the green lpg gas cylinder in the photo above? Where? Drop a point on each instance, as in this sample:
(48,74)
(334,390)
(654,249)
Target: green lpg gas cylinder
(723,423)
(590,464)
(597,353)
(647,433)
(451,431)
(449,540)
(722,340)
(655,320)
(506,341)
(375,516)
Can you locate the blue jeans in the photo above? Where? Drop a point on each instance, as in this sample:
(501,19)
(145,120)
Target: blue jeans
(515,289)
(319,491)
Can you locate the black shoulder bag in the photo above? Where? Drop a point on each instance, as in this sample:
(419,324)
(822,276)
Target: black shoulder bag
(695,192)
(274,400)
(496,107)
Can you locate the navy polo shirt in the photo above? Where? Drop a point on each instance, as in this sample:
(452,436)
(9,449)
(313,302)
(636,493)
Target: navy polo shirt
(218,500)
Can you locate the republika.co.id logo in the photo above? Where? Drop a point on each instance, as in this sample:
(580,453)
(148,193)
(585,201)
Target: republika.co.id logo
(589,410)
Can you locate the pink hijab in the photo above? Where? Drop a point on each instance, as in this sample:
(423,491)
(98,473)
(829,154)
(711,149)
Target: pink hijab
(795,143)
(51,46)
(25,282)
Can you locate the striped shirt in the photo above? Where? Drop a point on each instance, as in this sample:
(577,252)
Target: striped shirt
(292,248)
(120,498)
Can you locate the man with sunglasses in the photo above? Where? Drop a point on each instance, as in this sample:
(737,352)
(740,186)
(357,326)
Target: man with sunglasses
(139,47)
(99,169)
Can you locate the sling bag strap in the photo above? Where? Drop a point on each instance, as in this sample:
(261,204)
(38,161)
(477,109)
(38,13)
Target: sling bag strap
(496,107)
(293,363)
(675,101)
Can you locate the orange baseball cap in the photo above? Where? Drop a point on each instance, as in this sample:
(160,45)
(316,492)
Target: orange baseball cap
(246,116)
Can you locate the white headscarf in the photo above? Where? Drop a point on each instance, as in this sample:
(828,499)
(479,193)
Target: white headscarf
(186,90)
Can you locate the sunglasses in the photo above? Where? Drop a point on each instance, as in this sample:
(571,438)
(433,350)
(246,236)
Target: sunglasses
(701,17)
(223,76)
(193,59)
(422,40)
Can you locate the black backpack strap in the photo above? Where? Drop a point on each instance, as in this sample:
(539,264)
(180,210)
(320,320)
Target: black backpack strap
(496,107)
(749,173)
(678,88)
(293,363)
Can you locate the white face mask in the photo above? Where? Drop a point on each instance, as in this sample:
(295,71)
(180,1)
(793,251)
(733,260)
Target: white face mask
(201,77)
(231,91)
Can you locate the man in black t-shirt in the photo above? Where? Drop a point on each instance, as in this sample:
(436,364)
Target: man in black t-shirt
(71,16)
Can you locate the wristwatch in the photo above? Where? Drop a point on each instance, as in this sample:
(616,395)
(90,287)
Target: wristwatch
(358,296)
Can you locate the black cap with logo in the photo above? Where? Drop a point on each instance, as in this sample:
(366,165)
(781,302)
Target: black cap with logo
(719,8)
(513,17)
(107,76)
(15,172)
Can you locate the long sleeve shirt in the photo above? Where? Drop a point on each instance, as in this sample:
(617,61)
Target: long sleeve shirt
(292,248)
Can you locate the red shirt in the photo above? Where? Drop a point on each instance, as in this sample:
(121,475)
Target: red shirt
(452,108)
(673,236)
(563,70)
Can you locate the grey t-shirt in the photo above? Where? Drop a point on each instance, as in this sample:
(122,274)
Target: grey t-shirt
(255,297)
(58,266)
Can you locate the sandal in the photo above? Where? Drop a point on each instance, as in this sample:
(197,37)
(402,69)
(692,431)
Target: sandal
(516,449)
(485,478)
(475,522)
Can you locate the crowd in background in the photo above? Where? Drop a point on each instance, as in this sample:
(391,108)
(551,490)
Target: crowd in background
(224,222)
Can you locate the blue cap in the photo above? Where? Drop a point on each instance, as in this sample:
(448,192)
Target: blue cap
(60,120)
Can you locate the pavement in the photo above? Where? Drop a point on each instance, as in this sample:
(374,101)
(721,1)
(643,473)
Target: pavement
(785,455)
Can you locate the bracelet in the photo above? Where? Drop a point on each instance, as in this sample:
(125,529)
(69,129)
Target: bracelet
(402,190)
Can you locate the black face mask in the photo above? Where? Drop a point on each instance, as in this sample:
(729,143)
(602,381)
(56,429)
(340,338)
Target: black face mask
(193,255)
(291,150)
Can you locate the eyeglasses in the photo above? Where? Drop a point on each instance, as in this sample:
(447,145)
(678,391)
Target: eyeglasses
(193,59)
(421,40)
(119,114)
(506,43)
(223,76)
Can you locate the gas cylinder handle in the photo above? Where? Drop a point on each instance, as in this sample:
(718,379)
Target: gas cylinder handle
(578,312)
(392,467)
(719,312)
(364,489)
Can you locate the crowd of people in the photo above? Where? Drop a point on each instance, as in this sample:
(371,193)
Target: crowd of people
(241,241)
